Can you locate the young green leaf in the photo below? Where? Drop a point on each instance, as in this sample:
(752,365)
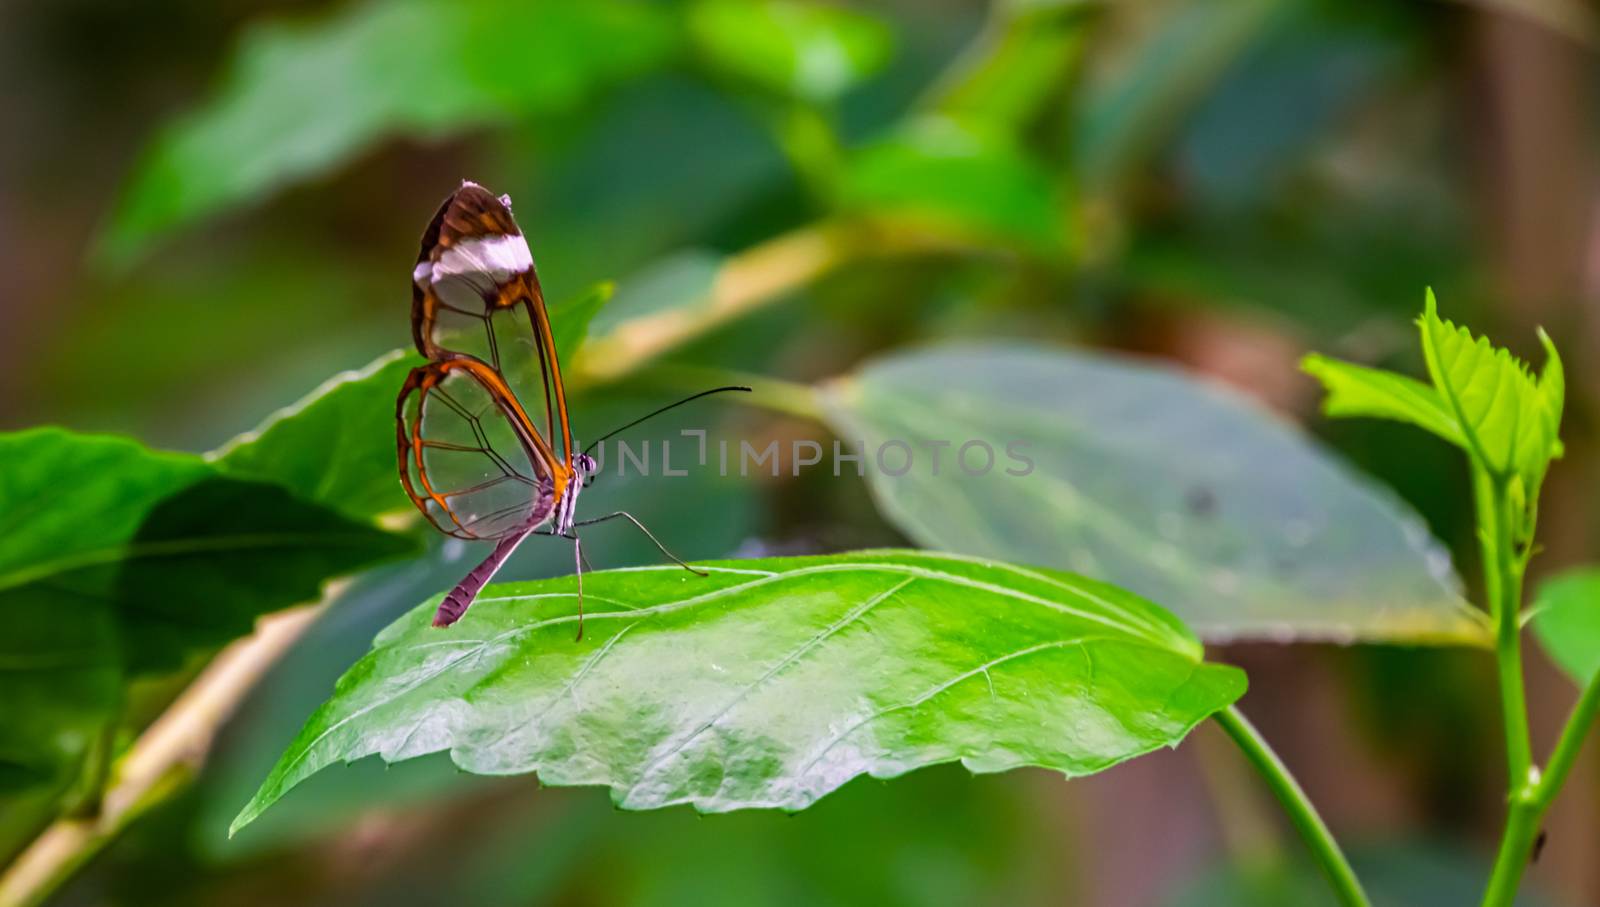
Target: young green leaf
(300,99)
(814,52)
(1356,390)
(1152,480)
(1508,420)
(1566,618)
(124,560)
(1541,444)
(771,682)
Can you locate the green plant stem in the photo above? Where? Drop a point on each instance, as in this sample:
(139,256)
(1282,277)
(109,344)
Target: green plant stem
(1528,803)
(1295,802)
(1503,578)
(1516,849)
(1572,736)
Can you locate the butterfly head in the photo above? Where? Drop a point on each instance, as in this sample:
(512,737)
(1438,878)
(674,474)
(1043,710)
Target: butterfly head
(585,468)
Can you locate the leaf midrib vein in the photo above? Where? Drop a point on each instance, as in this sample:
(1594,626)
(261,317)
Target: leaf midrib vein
(809,645)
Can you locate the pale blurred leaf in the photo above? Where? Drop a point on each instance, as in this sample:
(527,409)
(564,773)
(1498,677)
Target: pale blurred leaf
(1150,479)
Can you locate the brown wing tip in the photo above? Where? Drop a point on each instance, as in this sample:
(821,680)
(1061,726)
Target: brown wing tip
(473,211)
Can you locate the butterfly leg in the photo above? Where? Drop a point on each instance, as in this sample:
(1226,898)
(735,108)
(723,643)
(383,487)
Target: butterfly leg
(577,547)
(647,534)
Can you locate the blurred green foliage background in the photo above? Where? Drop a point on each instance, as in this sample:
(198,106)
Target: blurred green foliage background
(207,209)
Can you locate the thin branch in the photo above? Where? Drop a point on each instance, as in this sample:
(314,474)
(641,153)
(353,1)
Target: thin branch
(1302,814)
(757,277)
(1571,742)
(1529,803)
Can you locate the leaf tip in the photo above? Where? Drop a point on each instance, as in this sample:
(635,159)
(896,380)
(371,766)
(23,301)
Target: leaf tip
(245,817)
(1552,358)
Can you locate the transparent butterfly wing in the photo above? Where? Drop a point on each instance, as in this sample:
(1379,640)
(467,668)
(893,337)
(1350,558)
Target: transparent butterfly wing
(503,336)
(475,292)
(468,456)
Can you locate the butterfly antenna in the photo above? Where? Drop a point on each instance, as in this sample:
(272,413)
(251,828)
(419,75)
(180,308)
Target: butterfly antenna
(651,415)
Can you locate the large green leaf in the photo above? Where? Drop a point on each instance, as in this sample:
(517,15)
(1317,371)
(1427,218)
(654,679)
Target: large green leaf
(1508,419)
(300,99)
(123,560)
(811,51)
(1140,476)
(1566,618)
(771,682)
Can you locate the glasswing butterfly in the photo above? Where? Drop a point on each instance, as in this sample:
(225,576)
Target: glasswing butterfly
(471,458)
